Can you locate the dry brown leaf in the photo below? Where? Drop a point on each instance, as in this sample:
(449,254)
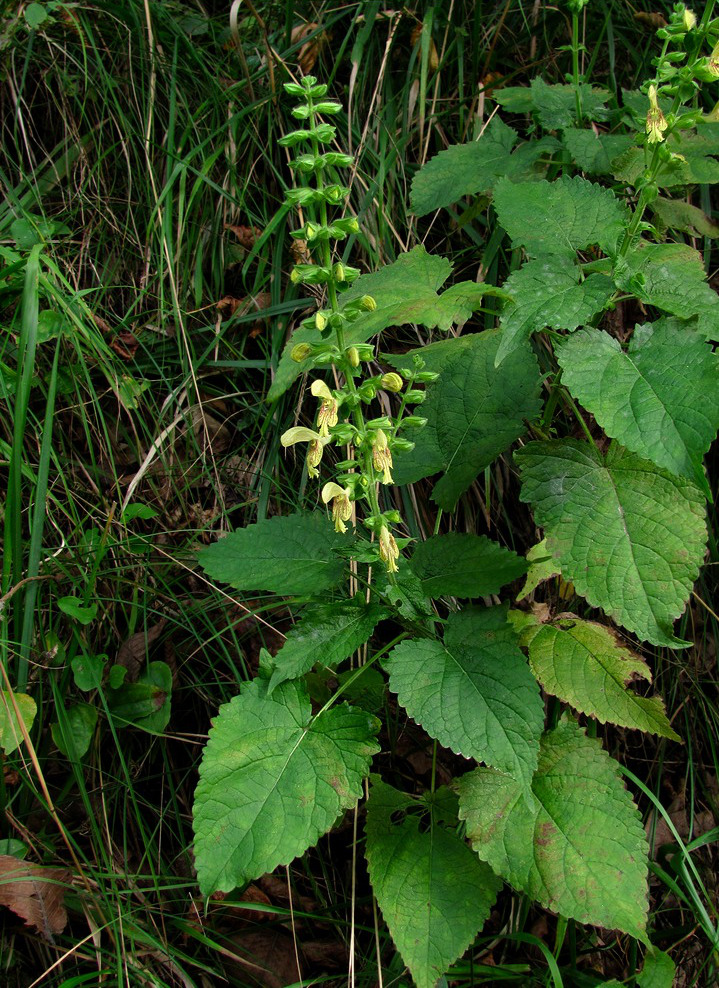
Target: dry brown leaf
(34,893)
(132,654)
(651,19)
(268,956)
(433,60)
(246,235)
(310,50)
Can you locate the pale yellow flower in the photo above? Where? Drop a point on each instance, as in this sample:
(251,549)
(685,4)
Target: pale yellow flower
(382,457)
(327,415)
(341,504)
(317,443)
(388,550)
(656,121)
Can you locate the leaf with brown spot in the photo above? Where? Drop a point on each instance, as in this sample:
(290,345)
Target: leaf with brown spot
(35,894)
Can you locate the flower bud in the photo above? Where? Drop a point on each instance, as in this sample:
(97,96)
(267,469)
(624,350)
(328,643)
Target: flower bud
(338,271)
(414,397)
(300,352)
(426,377)
(311,231)
(689,19)
(353,356)
(367,303)
(392,382)
(400,445)
(414,422)
(320,320)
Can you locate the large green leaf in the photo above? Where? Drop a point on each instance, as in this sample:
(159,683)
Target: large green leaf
(659,398)
(472,168)
(560,217)
(461,565)
(672,278)
(474,693)
(580,849)
(406,291)
(691,162)
(629,535)
(593,152)
(583,664)
(287,555)
(474,412)
(327,633)
(273,779)
(549,292)
(435,895)
(676,214)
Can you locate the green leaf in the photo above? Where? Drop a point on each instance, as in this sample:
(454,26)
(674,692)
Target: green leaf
(629,535)
(581,849)
(542,567)
(35,14)
(406,291)
(583,664)
(145,703)
(474,412)
(555,106)
(474,693)
(73,738)
(658,971)
(17,710)
(87,671)
(326,633)
(435,895)
(75,609)
(676,214)
(593,152)
(285,555)
(473,168)
(273,779)
(672,278)
(560,217)
(692,163)
(548,293)
(460,565)
(660,398)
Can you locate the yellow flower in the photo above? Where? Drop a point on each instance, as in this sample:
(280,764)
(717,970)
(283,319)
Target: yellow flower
(713,64)
(317,443)
(341,504)
(656,122)
(388,550)
(382,457)
(327,415)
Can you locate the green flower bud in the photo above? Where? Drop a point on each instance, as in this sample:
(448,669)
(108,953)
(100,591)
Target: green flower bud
(311,231)
(414,397)
(338,271)
(381,423)
(402,445)
(301,352)
(353,356)
(392,382)
(365,351)
(367,303)
(426,377)
(367,391)
(342,433)
(414,422)
(320,320)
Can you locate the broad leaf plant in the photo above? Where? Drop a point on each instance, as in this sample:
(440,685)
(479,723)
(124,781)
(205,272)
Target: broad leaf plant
(595,208)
